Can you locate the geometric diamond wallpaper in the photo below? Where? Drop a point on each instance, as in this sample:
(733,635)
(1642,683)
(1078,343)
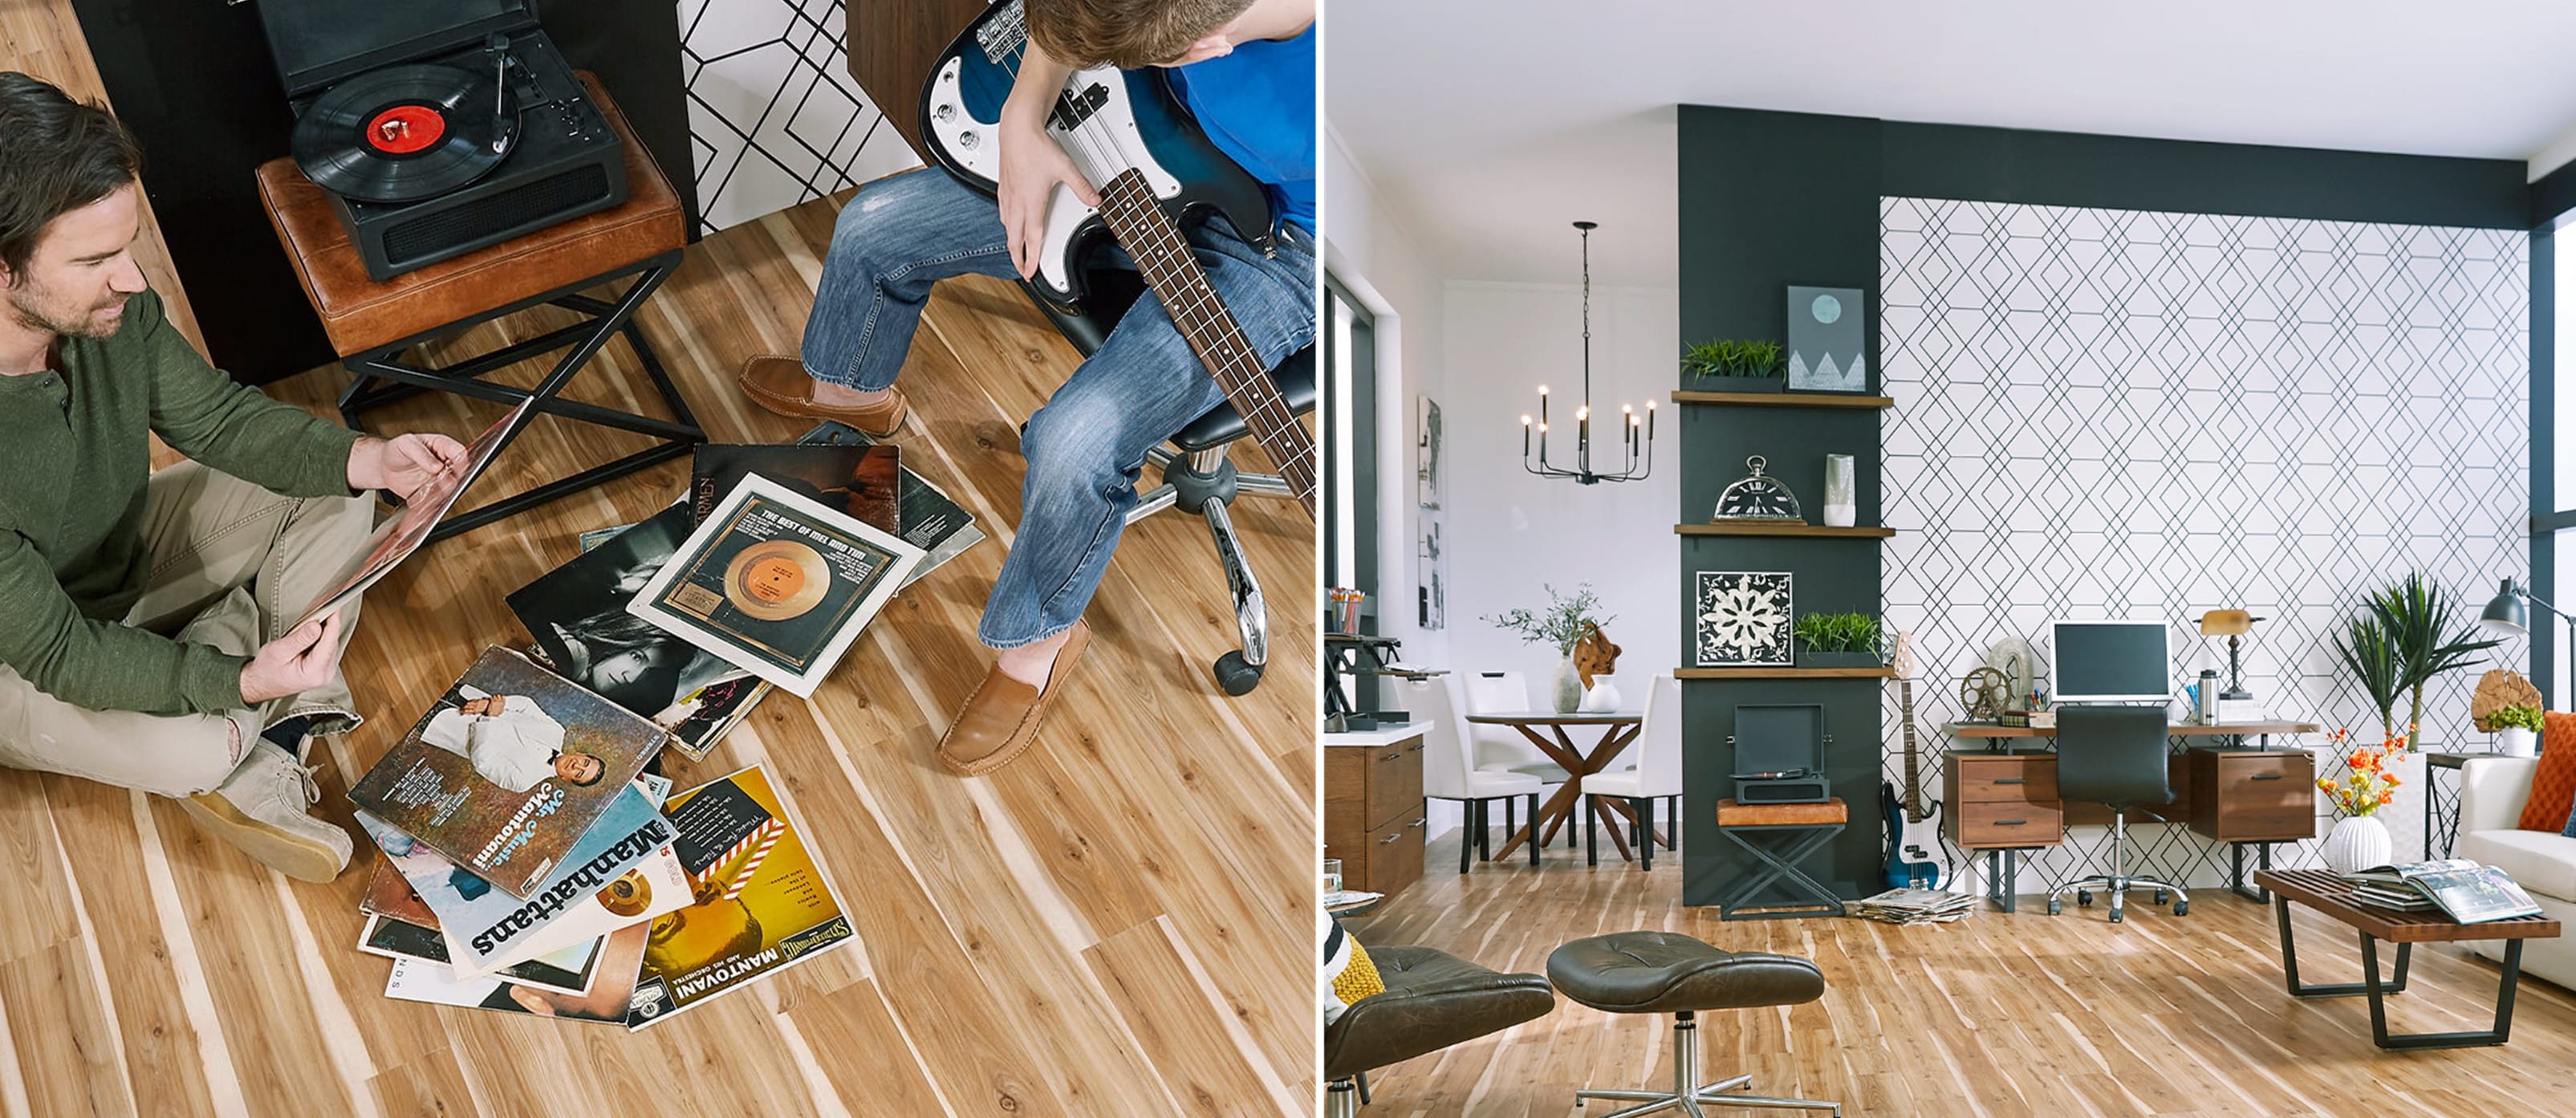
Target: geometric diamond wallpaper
(774,118)
(2123,414)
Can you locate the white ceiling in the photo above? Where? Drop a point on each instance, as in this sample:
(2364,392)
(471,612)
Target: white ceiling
(1490,124)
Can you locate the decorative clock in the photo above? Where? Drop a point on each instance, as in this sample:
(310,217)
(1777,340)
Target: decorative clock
(1758,498)
(1743,619)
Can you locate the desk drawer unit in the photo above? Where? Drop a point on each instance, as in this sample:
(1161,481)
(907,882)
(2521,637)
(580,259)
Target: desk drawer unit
(2254,795)
(2000,800)
(1373,813)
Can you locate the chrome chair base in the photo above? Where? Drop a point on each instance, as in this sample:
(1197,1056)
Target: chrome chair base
(1688,1094)
(1204,482)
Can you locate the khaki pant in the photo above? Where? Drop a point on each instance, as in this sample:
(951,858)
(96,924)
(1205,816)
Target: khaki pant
(232,565)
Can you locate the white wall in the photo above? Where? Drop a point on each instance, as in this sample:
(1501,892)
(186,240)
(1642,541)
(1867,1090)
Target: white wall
(1510,532)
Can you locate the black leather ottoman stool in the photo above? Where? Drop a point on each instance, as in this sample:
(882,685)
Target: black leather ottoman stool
(1662,972)
(1433,999)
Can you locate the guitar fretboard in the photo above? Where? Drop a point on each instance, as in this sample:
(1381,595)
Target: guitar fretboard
(1136,218)
(1913,781)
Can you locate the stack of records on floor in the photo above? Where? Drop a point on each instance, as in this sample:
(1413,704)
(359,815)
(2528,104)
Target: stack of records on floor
(1913,906)
(530,865)
(2464,890)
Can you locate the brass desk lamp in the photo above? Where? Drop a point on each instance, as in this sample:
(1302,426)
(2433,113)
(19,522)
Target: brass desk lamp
(2232,624)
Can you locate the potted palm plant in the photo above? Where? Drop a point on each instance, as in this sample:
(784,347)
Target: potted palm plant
(1736,366)
(2426,639)
(2370,651)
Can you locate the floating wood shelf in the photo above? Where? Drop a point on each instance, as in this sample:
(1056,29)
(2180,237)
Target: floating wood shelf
(1784,673)
(1757,529)
(1784,399)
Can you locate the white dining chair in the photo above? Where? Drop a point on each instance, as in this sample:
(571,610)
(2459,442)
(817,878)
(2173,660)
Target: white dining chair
(1657,776)
(1502,748)
(1447,773)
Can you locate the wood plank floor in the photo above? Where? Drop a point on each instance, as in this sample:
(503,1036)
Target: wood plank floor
(2010,1015)
(1119,924)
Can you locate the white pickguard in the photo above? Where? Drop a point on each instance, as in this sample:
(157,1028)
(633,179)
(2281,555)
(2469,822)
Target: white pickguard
(976,144)
(1919,840)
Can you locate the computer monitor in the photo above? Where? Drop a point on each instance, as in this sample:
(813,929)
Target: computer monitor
(2111,661)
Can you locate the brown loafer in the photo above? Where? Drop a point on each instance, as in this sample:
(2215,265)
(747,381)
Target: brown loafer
(781,384)
(1000,720)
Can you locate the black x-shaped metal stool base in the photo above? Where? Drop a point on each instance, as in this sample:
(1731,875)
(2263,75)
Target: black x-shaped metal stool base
(581,341)
(2376,991)
(1780,847)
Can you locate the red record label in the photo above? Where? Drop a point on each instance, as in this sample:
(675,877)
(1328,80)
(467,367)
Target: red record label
(404,129)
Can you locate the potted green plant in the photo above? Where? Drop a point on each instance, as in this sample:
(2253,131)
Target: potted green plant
(1838,640)
(1561,624)
(2427,640)
(2370,651)
(2517,730)
(1736,366)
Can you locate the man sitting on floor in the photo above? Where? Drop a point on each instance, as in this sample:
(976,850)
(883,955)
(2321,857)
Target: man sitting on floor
(141,613)
(1247,69)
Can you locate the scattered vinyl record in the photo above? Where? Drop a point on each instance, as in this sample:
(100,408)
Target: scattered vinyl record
(776,579)
(405,133)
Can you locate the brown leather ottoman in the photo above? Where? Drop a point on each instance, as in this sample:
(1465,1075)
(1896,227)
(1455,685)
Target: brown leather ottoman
(1665,972)
(1433,1000)
(371,324)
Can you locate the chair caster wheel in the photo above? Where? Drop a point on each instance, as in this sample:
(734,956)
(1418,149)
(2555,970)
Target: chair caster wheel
(2163,896)
(2182,908)
(2055,906)
(1234,676)
(2115,916)
(2083,899)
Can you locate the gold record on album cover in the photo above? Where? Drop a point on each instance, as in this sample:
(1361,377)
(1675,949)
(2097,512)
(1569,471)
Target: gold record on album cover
(627,896)
(775,580)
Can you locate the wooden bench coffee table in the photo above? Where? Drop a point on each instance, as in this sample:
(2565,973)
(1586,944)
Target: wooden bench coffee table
(2323,891)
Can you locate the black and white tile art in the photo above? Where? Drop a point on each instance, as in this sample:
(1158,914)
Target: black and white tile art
(2107,414)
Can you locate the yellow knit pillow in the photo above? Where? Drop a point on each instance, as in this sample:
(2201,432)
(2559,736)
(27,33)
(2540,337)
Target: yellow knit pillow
(1348,973)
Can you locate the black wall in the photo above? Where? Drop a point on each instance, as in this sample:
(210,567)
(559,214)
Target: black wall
(1772,199)
(195,84)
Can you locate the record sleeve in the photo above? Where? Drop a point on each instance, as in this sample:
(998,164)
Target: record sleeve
(508,771)
(568,970)
(776,583)
(858,480)
(611,993)
(762,903)
(932,521)
(396,539)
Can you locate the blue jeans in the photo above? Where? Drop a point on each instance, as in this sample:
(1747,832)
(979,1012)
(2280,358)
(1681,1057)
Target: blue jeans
(903,233)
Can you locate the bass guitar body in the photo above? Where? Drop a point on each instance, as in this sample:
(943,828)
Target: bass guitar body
(1914,858)
(1136,122)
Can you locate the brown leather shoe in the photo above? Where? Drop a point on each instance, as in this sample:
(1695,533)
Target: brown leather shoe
(1000,720)
(781,384)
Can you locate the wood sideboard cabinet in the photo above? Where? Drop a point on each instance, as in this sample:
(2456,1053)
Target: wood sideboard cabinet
(1997,803)
(1373,809)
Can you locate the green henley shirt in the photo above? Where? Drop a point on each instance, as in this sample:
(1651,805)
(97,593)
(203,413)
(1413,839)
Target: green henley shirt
(73,462)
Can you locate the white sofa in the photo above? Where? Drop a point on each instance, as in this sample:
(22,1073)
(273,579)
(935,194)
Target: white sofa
(2492,791)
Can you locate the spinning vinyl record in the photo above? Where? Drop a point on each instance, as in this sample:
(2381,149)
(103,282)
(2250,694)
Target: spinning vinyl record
(405,133)
(774,580)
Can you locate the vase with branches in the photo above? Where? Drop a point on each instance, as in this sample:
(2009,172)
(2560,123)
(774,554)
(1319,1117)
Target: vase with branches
(1563,622)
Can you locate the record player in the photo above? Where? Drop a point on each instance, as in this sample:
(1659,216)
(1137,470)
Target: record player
(439,128)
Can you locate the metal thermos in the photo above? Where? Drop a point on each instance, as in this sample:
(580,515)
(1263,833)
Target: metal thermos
(2209,696)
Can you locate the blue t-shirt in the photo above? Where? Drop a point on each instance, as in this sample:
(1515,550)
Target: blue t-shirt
(1258,105)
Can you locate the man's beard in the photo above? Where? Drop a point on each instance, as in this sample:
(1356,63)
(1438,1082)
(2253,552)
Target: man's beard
(26,304)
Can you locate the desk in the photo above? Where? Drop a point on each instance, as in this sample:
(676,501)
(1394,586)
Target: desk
(1618,728)
(2002,801)
(1373,815)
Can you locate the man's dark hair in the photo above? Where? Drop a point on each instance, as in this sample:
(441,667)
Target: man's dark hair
(1128,34)
(56,155)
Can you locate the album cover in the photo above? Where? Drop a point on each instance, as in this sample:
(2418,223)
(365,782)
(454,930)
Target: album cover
(612,991)
(569,969)
(389,895)
(397,538)
(577,613)
(507,772)
(761,905)
(597,536)
(941,528)
(856,480)
(776,583)
(620,872)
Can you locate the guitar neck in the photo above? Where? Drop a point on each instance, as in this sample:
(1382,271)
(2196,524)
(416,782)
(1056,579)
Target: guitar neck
(1162,255)
(1913,777)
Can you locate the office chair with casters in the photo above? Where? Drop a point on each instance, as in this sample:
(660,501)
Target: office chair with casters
(2114,756)
(1196,475)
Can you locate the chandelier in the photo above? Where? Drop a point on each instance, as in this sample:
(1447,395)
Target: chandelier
(1635,434)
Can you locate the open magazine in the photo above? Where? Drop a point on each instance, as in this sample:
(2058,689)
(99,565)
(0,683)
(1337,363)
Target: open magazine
(2462,889)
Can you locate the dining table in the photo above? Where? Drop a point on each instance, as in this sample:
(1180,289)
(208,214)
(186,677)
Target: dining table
(1618,728)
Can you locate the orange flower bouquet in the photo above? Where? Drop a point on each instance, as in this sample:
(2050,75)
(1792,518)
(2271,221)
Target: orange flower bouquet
(2367,784)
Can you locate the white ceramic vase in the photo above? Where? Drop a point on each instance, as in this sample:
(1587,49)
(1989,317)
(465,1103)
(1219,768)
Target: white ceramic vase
(2357,843)
(1565,688)
(1603,698)
(1841,501)
(2516,741)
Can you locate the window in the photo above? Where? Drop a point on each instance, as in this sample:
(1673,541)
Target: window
(1350,461)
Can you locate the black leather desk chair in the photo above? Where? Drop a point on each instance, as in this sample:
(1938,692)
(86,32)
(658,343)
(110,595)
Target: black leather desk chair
(2116,756)
(1196,475)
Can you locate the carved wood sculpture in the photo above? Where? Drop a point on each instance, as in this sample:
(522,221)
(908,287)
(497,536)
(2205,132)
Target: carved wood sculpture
(2498,689)
(1594,655)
